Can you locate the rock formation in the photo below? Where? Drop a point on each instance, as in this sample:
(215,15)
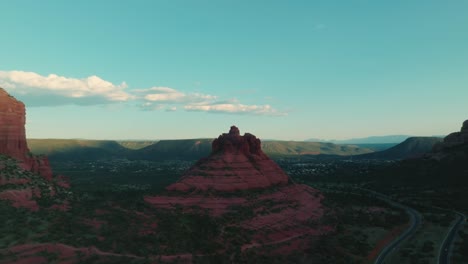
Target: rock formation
(239,179)
(454,139)
(13,136)
(236,163)
(31,176)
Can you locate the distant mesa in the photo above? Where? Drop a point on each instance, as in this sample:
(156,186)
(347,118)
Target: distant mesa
(237,177)
(426,147)
(413,147)
(389,139)
(59,150)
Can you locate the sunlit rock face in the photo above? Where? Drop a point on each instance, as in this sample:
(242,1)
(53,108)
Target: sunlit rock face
(24,178)
(12,131)
(13,136)
(236,163)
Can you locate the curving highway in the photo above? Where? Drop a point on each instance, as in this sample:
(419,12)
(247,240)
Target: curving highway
(447,245)
(415,222)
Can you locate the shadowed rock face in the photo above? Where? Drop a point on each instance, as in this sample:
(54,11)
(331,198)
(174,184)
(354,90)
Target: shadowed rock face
(453,148)
(234,143)
(13,136)
(236,163)
(457,138)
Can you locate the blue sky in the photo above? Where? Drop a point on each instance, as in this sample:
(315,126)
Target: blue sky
(278,69)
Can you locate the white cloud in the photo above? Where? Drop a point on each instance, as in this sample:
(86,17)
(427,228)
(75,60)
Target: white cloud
(6,85)
(53,90)
(169,95)
(157,97)
(31,83)
(161,94)
(149,106)
(235,109)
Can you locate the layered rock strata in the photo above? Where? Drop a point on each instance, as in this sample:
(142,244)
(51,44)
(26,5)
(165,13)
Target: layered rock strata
(236,163)
(29,177)
(239,179)
(13,136)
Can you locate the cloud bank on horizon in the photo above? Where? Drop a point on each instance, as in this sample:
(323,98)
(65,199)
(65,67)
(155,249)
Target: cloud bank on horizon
(55,90)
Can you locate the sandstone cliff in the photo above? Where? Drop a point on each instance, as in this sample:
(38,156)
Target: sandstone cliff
(13,136)
(24,179)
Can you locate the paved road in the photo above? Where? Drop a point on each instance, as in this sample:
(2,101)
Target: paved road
(415,222)
(446,248)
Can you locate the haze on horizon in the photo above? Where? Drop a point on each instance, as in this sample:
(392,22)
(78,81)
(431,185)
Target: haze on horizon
(280,70)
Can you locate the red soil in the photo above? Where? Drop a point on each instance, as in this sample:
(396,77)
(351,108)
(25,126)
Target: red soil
(21,198)
(391,235)
(28,254)
(216,205)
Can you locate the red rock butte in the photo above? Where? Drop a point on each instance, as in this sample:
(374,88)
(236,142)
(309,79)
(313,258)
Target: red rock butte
(282,212)
(13,136)
(236,163)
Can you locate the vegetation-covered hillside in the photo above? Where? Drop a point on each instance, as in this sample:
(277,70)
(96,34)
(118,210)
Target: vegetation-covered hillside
(185,149)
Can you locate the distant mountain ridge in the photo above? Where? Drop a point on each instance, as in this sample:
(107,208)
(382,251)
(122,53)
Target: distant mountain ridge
(278,148)
(367,140)
(445,165)
(136,144)
(412,147)
(184,149)
(77,149)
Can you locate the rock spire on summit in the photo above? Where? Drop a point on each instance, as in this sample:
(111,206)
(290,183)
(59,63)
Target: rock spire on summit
(234,131)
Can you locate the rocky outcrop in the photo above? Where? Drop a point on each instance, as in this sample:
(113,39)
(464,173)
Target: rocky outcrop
(236,163)
(24,178)
(13,136)
(12,131)
(238,181)
(454,139)
(457,138)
